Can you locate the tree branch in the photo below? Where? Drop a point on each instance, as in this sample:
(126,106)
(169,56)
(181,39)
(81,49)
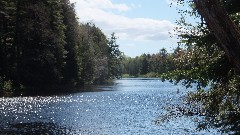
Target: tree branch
(225,30)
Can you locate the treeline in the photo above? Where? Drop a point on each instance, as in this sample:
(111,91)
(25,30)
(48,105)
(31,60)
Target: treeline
(43,46)
(150,65)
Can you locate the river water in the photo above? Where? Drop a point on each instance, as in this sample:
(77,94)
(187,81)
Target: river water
(127,107)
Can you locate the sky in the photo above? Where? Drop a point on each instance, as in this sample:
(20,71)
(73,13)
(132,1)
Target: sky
(142,26)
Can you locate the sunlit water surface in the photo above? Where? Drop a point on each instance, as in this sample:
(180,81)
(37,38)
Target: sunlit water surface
(129,106)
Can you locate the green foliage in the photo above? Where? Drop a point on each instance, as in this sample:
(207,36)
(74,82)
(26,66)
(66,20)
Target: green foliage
(6,87)
(100,55)
(220,105)
(151,75)
(126,76)
(73,68)
(42,46)
(7,28)
(40,40)
(202,61)
(114,57)
(148,65)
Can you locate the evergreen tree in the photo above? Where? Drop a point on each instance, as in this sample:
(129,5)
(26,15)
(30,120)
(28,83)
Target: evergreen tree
(72,70)
(7,30)
(41,37)
(114,57)
(43,46)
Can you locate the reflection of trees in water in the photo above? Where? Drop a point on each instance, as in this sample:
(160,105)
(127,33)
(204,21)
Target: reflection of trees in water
(35,128)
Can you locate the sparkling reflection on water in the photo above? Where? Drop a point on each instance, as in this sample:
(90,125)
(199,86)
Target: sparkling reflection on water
(129,106)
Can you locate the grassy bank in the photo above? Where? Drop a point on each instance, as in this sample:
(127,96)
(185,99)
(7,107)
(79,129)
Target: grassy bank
(148,75)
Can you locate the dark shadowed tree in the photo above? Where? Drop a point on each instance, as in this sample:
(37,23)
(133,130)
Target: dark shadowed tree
(72,69)
(209,58)
(222,26)
(41,40)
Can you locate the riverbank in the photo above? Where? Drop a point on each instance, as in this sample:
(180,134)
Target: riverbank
(148,75)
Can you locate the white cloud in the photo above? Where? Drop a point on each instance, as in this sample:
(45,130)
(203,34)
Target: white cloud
(143,29)
(103,13)
(101,4)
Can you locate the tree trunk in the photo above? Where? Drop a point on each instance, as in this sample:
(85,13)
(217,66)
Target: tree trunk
(225,30)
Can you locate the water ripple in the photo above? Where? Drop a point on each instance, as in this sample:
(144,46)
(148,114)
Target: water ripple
(127,107)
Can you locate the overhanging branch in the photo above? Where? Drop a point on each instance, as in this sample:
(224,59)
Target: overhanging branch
(223,28)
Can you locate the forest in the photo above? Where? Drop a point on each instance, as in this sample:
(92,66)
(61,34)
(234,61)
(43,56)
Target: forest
(43,47)
(151,65)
